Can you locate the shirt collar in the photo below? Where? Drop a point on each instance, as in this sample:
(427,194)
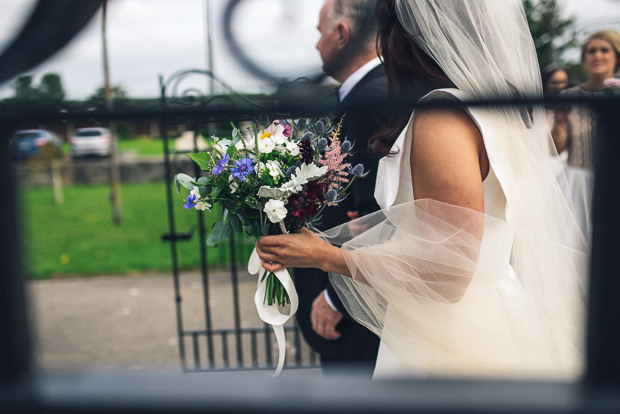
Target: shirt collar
(352,80)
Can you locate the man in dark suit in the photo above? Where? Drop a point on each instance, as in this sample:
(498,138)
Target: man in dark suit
(347,47)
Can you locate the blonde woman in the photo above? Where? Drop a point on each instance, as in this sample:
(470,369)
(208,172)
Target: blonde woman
(574,130)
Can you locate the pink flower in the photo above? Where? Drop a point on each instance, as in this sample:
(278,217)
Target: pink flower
(613,83)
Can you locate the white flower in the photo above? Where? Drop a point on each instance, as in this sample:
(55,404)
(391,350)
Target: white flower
(260,168)
(202,205)
(234,186)
(275,210)
(275,132)
(195,191)
(266,145)
(199,204)
(293,148)
(239,145)
(274,169)
(221,148)
(280,149)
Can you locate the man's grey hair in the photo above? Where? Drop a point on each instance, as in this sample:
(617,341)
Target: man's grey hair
(360,16)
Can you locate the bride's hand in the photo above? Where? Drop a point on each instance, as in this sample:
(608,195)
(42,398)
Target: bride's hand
(302,249)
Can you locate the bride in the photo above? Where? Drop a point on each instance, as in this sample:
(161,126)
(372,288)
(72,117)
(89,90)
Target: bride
(475,266)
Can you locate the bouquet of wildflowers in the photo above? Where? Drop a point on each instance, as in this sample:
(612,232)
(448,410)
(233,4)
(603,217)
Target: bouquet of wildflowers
(275,181)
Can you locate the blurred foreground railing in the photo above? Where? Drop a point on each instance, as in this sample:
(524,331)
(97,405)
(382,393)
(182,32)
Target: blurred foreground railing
(23,389)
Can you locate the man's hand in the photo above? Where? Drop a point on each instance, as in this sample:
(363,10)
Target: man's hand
(324,318)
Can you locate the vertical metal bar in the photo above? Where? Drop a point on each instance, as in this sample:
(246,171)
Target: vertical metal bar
(603,336)
(235,286)
(297,345)
(254,348)
(172,227)
(225,349)
(268,345)
(204,270)
(15,344)
(196,350)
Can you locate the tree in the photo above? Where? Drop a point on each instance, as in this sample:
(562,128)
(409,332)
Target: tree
(48,91)
(119,96)
(24,89)
(552,33)
(51,88)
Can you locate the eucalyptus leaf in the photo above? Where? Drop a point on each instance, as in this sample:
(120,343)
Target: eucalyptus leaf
(204,180)
(221,231)
(224,214)
(203,159)
(185,180)
(236,224)
(205,191)
(177,185)
(236,137)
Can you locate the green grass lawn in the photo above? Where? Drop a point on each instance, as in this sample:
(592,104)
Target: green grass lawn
(143,147)
(79,237)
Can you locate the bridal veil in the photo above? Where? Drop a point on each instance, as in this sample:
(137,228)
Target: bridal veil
(454,292)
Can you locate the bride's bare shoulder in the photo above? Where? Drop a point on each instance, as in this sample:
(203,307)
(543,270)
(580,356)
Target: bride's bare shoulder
(445,122)
(448,158)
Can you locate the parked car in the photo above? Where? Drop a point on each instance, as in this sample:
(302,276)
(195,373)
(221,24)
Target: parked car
(29,143)
(90,141)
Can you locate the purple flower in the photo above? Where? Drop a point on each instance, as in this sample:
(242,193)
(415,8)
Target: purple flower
(190,201)
(221,164)
(242,168)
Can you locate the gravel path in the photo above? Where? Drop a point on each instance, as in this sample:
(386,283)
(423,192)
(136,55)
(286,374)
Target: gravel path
(129,322)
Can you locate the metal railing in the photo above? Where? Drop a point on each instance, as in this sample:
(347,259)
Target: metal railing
(22,389)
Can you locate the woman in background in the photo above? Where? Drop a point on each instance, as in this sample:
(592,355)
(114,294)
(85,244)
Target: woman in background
(555,79)
(574,128)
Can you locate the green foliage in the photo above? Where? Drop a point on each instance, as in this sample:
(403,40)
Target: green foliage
(553,34)
(124,131)
(119,97)
(48,95)
(51,88)
(79,237)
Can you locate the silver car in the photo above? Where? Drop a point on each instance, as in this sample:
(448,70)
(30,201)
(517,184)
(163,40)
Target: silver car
(90,141)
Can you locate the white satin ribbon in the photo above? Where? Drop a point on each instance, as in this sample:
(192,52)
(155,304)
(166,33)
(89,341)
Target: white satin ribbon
(271,313)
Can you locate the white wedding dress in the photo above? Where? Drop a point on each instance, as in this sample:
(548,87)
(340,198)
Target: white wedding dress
(497,329)
(394,186)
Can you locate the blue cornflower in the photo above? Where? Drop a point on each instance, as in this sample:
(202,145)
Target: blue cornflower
(242,168)
(190,201)
(221,164)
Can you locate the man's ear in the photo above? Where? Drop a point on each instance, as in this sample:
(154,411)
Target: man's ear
(344,35)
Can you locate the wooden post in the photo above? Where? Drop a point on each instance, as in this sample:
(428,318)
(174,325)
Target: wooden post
(115,193)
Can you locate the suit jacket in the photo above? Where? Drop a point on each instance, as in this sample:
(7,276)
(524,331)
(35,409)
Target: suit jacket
(359,124)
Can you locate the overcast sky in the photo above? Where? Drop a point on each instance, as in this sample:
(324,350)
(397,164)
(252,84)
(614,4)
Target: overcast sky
(149,38)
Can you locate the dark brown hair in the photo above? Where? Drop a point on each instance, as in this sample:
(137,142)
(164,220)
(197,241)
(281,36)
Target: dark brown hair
(411,72)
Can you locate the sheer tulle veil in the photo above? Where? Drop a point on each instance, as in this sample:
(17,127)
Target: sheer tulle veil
(453,292)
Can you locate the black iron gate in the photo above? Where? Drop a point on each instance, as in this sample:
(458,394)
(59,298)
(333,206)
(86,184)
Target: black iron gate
(236,347)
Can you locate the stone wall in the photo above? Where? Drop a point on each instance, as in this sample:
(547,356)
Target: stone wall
(97,171)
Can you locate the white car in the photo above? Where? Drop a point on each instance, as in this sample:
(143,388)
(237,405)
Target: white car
(90,141)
